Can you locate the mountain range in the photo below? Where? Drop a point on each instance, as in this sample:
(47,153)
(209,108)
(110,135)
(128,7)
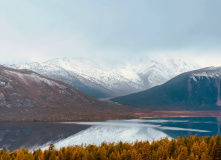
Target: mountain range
(102,81)
(29,96)
(152,84)
(194,90)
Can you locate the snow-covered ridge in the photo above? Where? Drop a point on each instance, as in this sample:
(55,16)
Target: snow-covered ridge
(120,79)
(204,74)
(209,72)
(26,78)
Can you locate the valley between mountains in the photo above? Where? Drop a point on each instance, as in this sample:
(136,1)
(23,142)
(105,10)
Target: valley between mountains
(68,90)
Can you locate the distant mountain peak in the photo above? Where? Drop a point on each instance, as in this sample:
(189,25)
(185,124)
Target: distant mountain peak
(100,80)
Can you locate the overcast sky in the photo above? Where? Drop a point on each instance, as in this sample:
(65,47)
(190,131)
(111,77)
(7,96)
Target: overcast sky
(39,30)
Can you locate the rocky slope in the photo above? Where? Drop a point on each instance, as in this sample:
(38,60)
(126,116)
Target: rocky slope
(195,90)
(26,95)
(101,81)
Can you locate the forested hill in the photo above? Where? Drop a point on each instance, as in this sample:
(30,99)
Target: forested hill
(191,148)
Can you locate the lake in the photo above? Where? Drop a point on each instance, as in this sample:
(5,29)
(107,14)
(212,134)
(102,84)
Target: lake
(33,135)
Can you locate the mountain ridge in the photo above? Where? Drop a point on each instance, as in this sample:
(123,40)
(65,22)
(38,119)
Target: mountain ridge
(29,96)
(194,90)
(101,81)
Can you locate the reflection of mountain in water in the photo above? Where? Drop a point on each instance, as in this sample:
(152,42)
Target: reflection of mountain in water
(98,134)
(39,134)
(218,124)
(140,129)
(14,135)
(210,124)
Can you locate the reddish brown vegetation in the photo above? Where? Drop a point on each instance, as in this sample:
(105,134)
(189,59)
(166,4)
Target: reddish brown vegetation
(179,114)
(28,96)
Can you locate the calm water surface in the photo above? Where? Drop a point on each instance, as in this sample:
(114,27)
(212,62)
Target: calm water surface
(33,135)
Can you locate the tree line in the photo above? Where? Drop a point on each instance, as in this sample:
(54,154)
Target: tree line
(182,148)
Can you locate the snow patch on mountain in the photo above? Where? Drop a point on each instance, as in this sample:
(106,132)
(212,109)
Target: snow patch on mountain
(121,79)
(27,78)
(209,72)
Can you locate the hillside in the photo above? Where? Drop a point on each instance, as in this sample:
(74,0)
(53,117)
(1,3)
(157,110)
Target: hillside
(182,148)
(102,80)
(28,96)
(195,90)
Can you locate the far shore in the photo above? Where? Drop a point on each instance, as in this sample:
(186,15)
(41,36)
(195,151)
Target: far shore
(135,115)
(167,114)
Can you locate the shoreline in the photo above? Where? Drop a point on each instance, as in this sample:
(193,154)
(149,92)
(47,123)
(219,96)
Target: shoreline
(178,114)
(136,115)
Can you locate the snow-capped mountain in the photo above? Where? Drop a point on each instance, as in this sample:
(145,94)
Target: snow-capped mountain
(101,81)
(194,90)
(27,96)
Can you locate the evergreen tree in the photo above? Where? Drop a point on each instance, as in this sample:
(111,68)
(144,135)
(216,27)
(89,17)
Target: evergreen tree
(183,154)
(217,149)
(146,152)
(51,147)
